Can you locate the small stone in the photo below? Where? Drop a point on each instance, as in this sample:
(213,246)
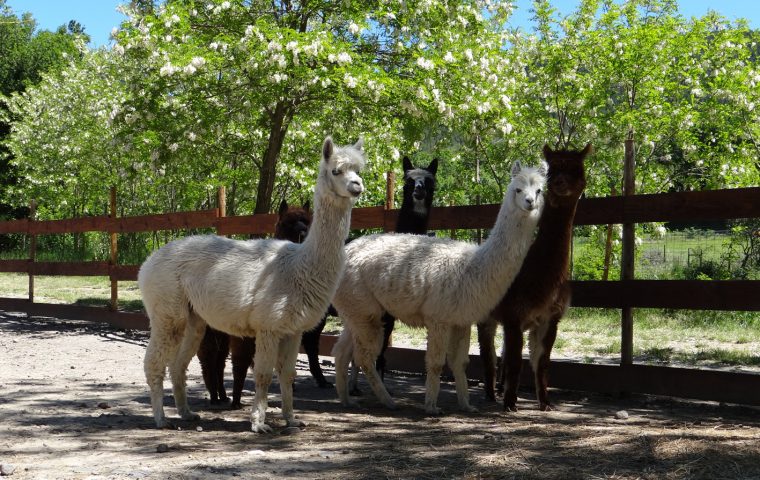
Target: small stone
(162,448)
(621,415)
(198,428)
(6,469)
(104,405)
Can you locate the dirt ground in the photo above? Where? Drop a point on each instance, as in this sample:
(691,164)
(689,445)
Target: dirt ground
(74,405)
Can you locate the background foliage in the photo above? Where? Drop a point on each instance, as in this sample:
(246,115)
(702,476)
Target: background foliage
(197,94)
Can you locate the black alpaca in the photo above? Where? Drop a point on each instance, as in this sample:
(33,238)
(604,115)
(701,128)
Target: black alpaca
(419,186)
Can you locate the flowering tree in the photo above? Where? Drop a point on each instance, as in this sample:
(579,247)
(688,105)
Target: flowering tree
(195,95)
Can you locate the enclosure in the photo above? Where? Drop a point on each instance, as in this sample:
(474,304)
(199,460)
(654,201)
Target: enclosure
(61,414)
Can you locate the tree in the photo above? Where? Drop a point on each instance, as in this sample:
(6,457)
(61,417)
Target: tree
(24,56)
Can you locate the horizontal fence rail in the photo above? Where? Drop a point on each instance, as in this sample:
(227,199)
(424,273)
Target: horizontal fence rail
(741,295)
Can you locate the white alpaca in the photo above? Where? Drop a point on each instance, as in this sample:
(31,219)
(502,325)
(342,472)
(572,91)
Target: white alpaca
(269,289)
(440,284)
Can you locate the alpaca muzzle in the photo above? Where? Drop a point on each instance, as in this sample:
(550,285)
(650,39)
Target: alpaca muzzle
(355,188)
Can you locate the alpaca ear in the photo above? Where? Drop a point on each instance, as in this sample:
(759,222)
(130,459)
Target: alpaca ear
(433,167)
(516,167)
(359,145)
(547,151)
(587,150)
(327,148)
(543,168)
(283,207)
(306,205)
(407,164)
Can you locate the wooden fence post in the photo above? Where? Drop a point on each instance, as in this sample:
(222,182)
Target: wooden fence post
(390,187)
(221,205)
(627,256)
(114,305)
(32,248)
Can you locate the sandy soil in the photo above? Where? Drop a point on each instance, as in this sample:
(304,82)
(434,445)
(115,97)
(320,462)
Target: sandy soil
(74,405)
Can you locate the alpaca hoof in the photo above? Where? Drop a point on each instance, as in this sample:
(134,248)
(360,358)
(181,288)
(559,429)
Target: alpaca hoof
(510,408)
(390,405)
(295,423)
(432,410)
(350,403)
(190,416)
(469,409)
(545,407)
(164,424)
(355,392)
(236,405)
(261,428)
(324,384)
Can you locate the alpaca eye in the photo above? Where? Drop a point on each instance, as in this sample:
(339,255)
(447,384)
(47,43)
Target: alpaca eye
(518,190)
(538,192)
(335,171)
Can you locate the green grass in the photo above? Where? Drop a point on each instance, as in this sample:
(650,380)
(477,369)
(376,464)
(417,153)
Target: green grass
(671,337)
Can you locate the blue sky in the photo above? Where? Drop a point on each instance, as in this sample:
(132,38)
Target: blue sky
(99,16)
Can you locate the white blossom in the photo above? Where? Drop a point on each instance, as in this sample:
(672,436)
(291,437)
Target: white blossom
(349,81)
(343,58)
(173,147)
(449,57)
(424,63)
(354,28)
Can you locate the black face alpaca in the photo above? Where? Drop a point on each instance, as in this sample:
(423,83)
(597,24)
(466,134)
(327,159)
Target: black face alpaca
(293,223)
(419,185)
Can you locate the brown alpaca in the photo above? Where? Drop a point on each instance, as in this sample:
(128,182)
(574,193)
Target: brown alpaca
(293,224)
(540,295)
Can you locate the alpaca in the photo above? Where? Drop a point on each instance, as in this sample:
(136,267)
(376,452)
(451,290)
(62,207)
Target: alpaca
(441,284)
(270,289)
(540,295)
(419,187)
(292,224)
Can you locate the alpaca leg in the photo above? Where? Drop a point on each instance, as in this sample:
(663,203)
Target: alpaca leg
(286,373)
(367,343)
(162,347)
(512,361)
(343,352)
(388,324)
(242,350)
(353,383)
(310,341)
(264,361)
(486,335)
(221,361)
(435,356)
(541,341)
(458,358)
(194,331)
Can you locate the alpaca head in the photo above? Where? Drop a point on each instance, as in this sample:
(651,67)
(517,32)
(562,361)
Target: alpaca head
(525,188)
(566,176)
(339,169)
(419,185)
(293,223)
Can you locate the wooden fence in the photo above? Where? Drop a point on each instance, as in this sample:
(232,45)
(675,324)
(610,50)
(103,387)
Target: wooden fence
(625,294)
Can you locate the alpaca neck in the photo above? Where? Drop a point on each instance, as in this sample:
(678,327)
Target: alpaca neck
(413,217)
(323,246)
(555,232)
(499,256)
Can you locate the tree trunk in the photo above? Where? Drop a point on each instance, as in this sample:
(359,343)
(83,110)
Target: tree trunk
(280,119)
